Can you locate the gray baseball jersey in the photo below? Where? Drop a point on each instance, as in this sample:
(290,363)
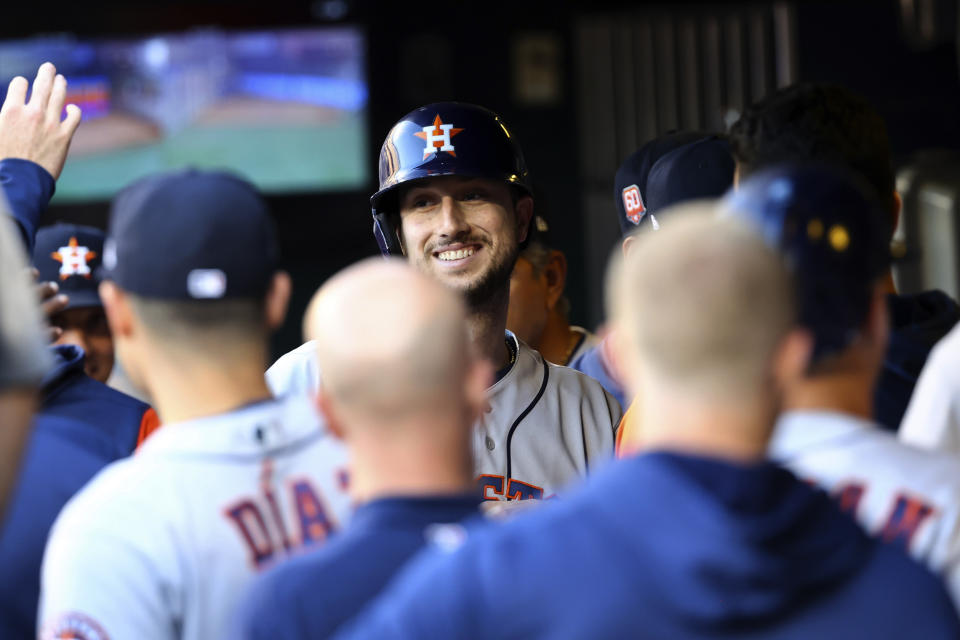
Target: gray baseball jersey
(547,425)
(163,545)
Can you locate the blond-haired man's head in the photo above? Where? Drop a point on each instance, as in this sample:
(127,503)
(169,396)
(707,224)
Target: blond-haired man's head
(401,383)
(705,314)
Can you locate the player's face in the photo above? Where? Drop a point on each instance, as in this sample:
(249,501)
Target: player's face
(528,310)
(86,327)
(465,232)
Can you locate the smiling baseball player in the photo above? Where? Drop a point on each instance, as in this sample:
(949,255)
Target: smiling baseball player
(455,200)
(163,545)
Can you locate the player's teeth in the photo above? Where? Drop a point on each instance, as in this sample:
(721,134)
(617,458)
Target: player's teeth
(459,254)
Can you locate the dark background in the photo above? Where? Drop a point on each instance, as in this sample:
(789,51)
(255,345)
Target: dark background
(908,72)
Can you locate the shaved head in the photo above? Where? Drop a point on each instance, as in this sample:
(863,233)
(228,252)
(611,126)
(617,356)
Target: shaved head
(391,342)
(703,304)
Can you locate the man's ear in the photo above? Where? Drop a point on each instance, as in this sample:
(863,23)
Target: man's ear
(627,244)
(791,361)
(877,326)
(555,273)
(327,409)
(524,209)
(116,306)
(278,298)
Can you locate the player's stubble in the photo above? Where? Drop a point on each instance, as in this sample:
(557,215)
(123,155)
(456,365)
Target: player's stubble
(491,287)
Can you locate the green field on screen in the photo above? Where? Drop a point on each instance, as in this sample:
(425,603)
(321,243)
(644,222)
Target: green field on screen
(286,158)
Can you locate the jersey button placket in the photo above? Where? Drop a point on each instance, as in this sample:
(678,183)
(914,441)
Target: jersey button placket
(491,445)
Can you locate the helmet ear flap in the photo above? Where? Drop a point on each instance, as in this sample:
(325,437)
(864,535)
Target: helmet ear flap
(387,234)
(443,139)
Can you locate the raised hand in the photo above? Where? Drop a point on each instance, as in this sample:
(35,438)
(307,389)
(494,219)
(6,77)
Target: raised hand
(33,130)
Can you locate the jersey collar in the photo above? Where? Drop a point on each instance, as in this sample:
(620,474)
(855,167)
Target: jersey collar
(801,430)
(414,512)
(257,429)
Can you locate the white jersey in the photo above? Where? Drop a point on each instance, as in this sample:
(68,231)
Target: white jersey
(932,420)
(296,372)
(547,425)
(899,493)
(163,545)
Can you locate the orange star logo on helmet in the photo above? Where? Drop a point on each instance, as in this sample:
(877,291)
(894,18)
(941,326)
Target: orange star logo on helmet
(73,260)
(437,137)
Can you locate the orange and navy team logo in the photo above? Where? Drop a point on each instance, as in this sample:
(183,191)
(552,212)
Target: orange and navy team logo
(633,204)
(437,137)
(74,260)
(74,626)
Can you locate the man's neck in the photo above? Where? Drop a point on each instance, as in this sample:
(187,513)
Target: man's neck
(676,423)
(848,393)
(410,465)
(558,340)
(189,388)
(487,326)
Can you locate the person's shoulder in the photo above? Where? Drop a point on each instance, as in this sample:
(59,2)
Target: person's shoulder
(933,474)
(301,588)
(564,382)
(94,389)
(922,601)
(572,377)
(120,489)
(94,395)
(93,407)
(930,462)
(290,581)
(946,352)
(908,454)
(571,381)
(587,342)
(589,357)
(295,372)
(558,375)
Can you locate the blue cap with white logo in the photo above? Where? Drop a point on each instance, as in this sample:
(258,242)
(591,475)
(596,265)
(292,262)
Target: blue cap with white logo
(191,234)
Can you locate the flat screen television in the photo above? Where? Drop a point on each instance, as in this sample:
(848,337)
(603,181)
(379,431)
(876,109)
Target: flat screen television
(284,108)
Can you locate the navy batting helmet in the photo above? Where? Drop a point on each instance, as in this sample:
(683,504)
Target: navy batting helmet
(442,139)
(834,235)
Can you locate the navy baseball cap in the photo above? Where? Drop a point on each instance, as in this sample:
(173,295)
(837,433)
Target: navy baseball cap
(701,169)
(630,185)
(834,236)
(70,255)
(191,234)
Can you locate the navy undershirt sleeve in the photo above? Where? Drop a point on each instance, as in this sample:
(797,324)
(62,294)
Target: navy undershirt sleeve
(28,188)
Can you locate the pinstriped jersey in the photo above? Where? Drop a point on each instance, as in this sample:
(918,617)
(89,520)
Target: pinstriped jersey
(547,425)
(904,495)
(164,544)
